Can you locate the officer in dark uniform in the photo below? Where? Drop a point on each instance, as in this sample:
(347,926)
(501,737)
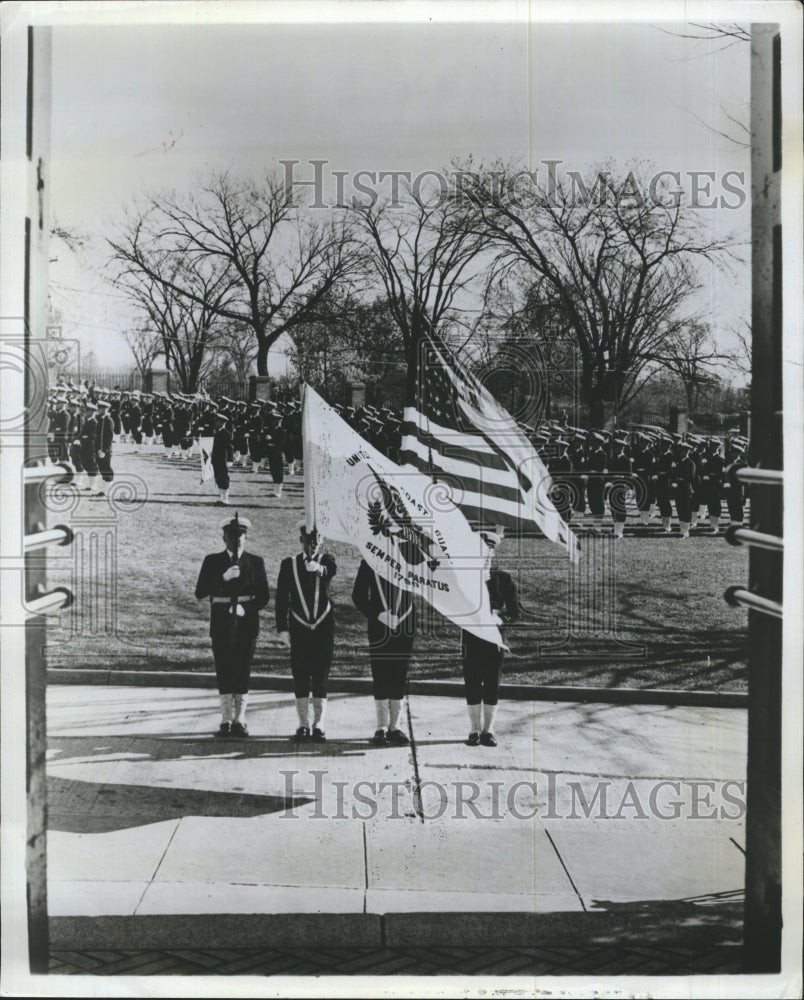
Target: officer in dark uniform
(135,419)
(560,468)
(577,454)
(76,420)
(712,485)
(221,455)
(89,439)
(686,478)
(275,444)
(391,620)
(237,588)
(735,494)
(483,660)
(305,621)
(57,432)
(662,479)
(620,481)
(105,439)
(596,466)
(254,432)
(642,460)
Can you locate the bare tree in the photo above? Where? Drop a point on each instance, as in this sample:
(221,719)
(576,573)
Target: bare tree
(145,343)
(618,263)
(426,256)
(186,323)
(691,355)
(235,342)
(278,263)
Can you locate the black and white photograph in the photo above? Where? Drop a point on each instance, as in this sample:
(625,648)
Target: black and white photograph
(401,436)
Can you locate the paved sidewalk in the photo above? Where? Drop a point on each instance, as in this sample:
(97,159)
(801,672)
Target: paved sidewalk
(161,836)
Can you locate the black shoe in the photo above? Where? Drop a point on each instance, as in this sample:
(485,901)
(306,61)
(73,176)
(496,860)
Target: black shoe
(224,730)
(487,739)
(318,735)
(474,739)
(380,739)
(397,736)
(301,734)
(239,730)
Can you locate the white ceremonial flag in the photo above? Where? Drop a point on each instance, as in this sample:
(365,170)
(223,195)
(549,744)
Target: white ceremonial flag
(205,446)
(406,527)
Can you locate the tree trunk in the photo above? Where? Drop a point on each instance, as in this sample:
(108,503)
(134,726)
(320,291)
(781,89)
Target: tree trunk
(262,355)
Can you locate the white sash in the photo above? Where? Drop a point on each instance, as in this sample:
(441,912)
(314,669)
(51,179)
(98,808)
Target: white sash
(384,602)
(308,614)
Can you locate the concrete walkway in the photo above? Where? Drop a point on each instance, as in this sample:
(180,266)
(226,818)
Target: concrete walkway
(155,826)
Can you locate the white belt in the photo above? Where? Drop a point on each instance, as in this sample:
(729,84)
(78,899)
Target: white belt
(228,600)
(316,623)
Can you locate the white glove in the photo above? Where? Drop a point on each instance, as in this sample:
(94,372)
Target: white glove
(284,638)
(101,454)
(389,619)
(232,573)
(315,567)
(239,610)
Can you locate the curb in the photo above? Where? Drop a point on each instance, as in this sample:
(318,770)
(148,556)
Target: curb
(442,688)
(659,926)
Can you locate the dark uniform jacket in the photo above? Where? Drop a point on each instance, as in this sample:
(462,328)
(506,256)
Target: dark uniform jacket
(105,434)
(372,594)
(251,590)
(302,598)
(504,600)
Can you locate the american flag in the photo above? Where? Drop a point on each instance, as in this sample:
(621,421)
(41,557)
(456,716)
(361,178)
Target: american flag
(455,431)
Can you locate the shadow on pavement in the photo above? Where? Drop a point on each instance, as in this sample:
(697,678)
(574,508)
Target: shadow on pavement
(90,807)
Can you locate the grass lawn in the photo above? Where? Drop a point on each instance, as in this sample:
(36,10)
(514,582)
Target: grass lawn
(645,611)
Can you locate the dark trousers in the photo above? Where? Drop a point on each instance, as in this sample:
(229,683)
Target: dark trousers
(734,498)
(89,459)
(75,456)
(684,503)
(276,464)
(617,494)
(311,658)
(233,662)
(594,494)
(482,667)
(221,473)
(663,501)
(105,467)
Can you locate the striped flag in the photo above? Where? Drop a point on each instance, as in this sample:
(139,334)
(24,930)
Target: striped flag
(456,432)
(395,519)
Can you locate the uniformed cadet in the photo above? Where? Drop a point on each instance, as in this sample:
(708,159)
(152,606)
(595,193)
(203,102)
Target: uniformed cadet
(274,451)
(686,479)
(57,432)
(89,436)
(220,457)
(735,493)
(620,469)
(643,459)
(560,467)
(712,477)
(662,478)
(391,621)
(483,660)
(103,447)
(596,465)
(235,583)
(305,621)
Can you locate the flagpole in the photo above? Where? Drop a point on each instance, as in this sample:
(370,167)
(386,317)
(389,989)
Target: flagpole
(309,488)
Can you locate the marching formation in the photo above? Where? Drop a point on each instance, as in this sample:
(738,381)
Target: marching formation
(593,472)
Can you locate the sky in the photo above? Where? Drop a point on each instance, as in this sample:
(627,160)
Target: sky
(141,108)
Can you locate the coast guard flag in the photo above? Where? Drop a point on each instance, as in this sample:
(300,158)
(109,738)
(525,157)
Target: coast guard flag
(455,431)
(406,527)
(205,445)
